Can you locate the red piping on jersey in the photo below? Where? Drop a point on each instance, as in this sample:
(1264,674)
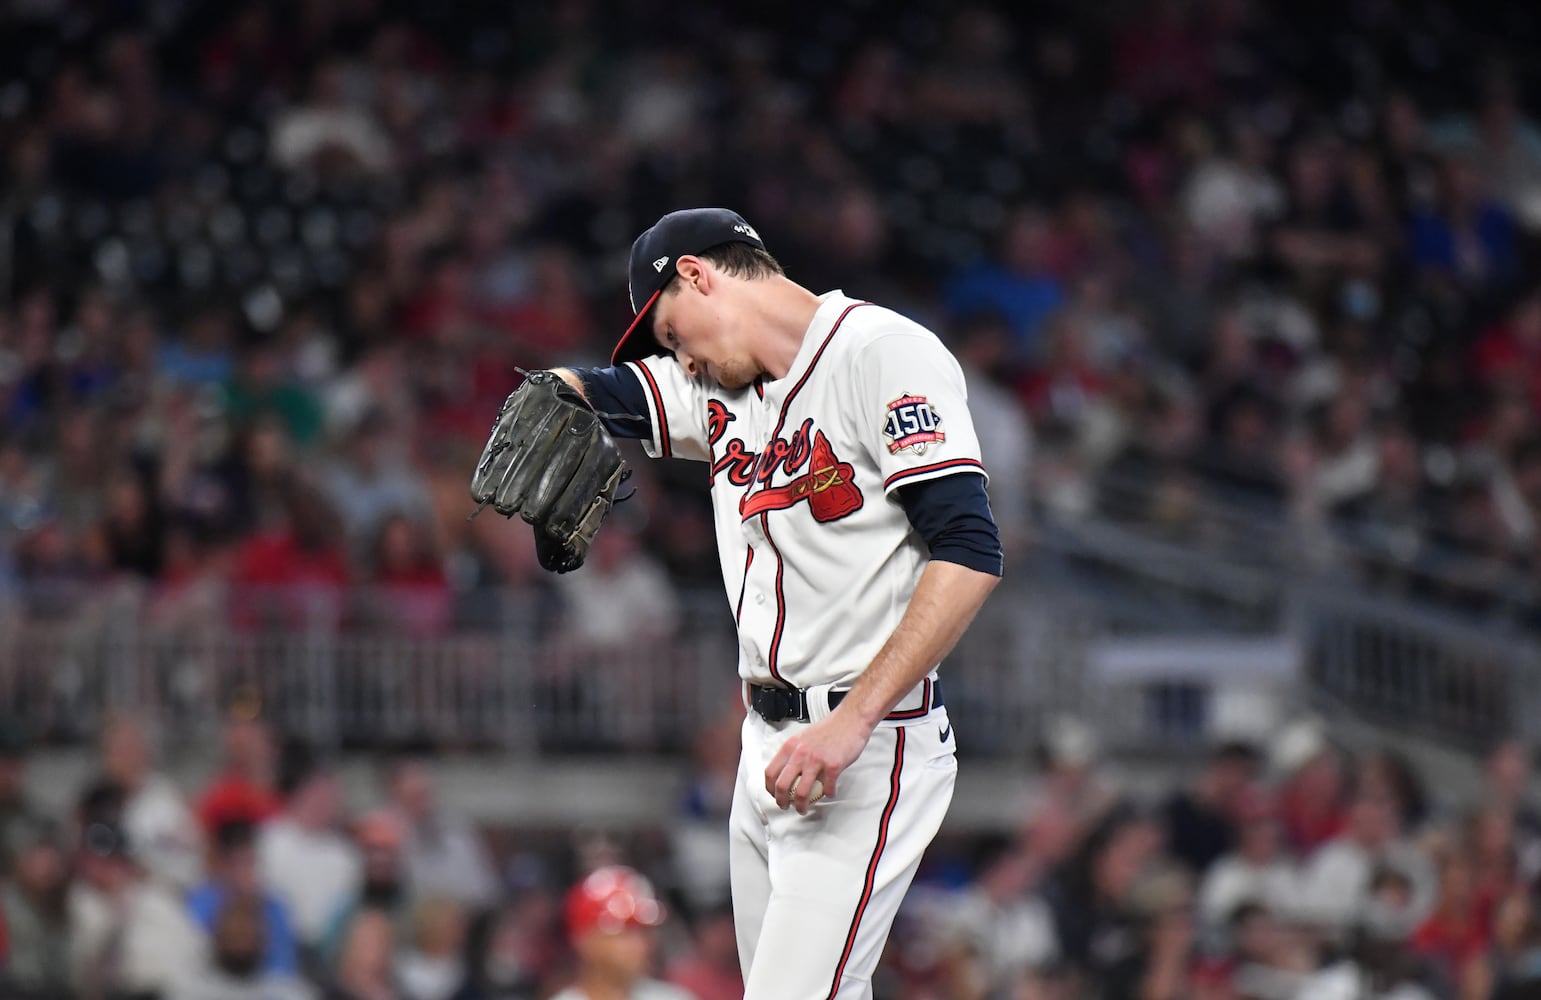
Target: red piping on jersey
(663,419)
(781,601)
(738,612)
(872,866)
(811,365)
(781,421)
(904,474)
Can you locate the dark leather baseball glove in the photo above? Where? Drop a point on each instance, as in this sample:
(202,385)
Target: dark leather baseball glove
(550,461)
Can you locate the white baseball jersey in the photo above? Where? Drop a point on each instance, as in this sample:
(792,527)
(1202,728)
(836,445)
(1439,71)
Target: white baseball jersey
(818,560)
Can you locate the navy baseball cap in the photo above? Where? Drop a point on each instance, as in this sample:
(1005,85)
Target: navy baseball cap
(653,256)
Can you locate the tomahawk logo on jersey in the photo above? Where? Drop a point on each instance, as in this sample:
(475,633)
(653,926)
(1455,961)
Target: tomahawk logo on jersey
(808,464)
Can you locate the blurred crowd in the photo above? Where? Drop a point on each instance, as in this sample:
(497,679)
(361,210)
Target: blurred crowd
(1256,279)
(1213,267)
(262,881)
(1292,870)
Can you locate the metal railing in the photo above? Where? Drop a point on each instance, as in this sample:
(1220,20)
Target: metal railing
(511,682)
(517,681)
(1400,663)
(1229,530)
(1418,670)
(505,671)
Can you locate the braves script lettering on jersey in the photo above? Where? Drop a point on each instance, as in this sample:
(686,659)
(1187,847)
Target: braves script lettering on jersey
(819,562)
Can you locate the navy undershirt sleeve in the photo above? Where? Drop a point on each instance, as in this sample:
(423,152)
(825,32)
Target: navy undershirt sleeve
(617,390)
(953,515)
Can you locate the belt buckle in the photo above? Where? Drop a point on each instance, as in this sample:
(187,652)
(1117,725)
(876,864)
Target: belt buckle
(779,704)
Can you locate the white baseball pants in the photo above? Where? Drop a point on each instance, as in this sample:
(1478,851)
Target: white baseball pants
(814,896)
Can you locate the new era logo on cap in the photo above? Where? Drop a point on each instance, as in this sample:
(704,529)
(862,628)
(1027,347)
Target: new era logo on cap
(691,231)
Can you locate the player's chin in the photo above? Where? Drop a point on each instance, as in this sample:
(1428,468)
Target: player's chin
(730,380)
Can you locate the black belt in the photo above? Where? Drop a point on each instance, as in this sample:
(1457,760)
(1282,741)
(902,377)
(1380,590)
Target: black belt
(780,704)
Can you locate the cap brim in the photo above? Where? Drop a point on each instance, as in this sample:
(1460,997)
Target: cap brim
(637,342)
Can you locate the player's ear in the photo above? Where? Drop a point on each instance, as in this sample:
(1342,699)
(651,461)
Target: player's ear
(692,271)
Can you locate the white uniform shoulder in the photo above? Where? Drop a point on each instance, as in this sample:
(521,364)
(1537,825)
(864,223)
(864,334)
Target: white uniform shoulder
(902,396)
(871,323)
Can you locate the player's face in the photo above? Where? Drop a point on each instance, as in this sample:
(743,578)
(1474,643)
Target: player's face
(625,955)
(694,325)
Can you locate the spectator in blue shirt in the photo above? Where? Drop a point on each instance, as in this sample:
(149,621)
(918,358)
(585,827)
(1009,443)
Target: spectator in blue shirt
(1021,284)
(232,876)
(1470,239)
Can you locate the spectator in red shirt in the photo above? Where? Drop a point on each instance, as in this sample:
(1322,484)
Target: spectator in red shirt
(1161,55)
(1508,356)
(1311,799)
(409,592)
(1456,934)
(1067,383)
(555,318)
(243,790)
(293,573)
(1495,855)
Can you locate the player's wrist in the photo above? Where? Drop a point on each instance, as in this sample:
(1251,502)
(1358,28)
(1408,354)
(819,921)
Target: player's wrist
(861,710)
(572,379)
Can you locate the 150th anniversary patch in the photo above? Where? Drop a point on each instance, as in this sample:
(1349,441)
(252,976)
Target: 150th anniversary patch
(912,423)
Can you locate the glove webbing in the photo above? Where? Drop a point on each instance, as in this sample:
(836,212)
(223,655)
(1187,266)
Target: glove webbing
(503,446)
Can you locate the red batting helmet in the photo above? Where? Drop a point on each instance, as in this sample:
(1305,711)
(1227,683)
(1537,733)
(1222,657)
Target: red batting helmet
(611,899)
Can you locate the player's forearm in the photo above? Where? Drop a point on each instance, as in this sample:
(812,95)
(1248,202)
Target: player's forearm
(946,599)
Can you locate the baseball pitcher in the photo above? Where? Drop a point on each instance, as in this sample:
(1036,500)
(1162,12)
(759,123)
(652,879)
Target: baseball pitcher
(856,544)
